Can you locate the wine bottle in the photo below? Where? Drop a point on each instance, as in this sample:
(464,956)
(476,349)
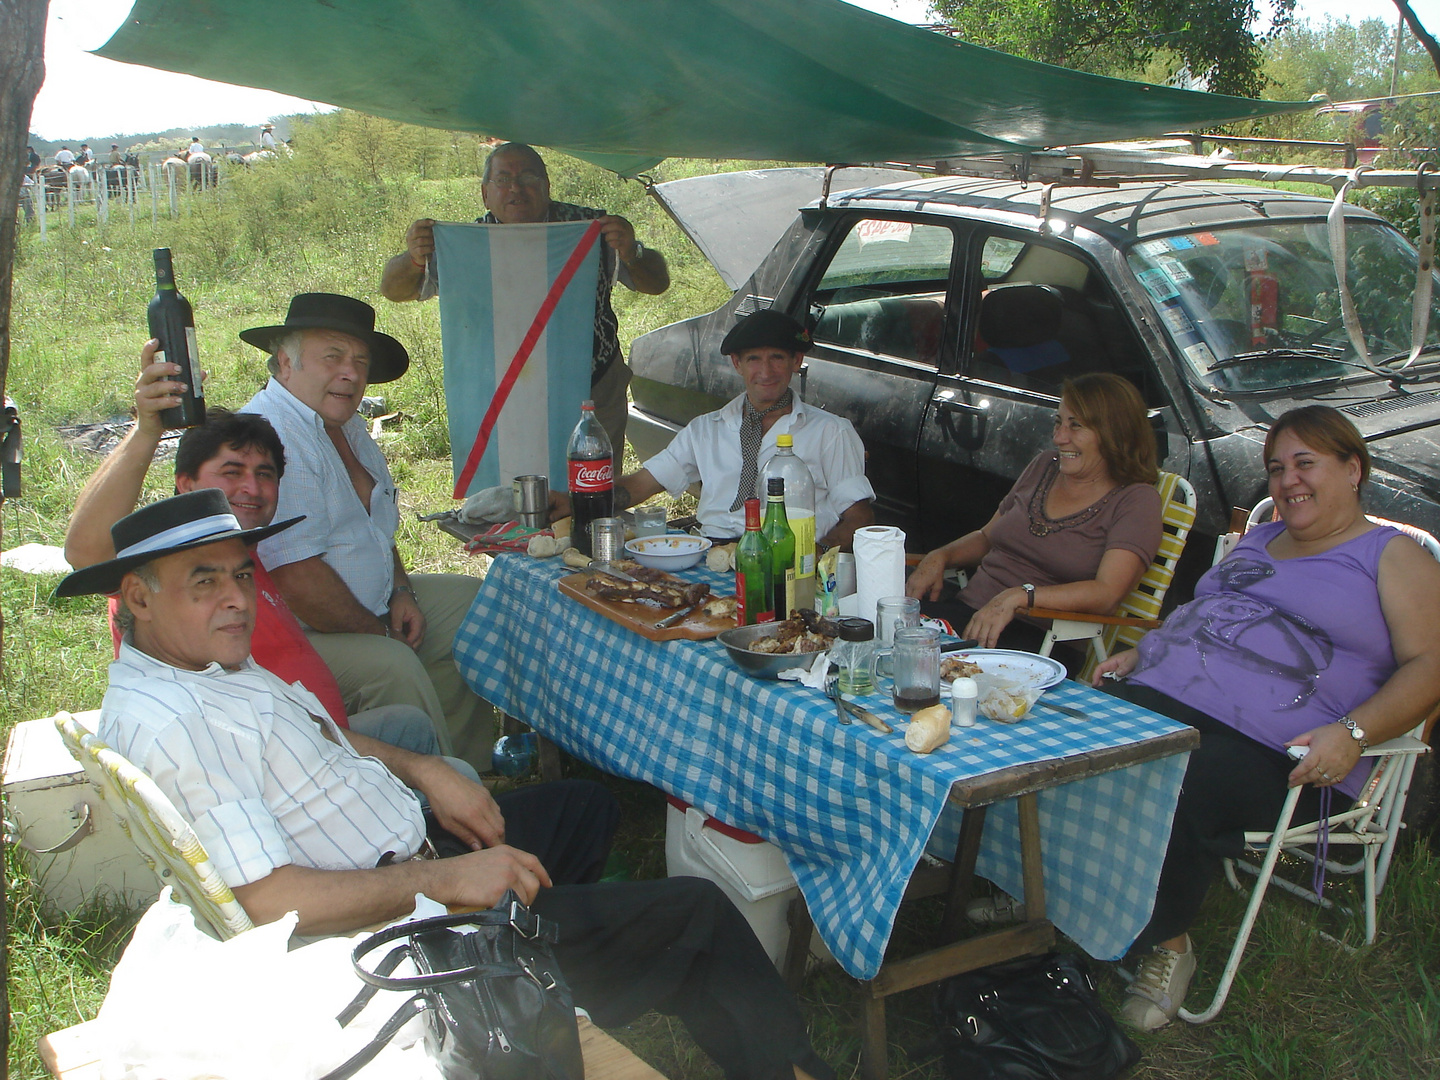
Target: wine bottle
(753,587)
(172,323)
(782,548)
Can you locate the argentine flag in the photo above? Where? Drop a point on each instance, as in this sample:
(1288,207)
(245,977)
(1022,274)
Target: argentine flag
(497,279)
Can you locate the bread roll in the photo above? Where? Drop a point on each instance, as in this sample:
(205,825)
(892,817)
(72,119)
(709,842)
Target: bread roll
(572,557)
(929,728)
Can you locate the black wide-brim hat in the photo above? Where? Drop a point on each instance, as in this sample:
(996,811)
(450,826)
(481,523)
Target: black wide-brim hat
(331,311)
(766,329)
(178,523)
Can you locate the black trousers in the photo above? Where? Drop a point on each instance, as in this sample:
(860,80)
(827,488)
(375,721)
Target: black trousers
(1232,785)
(676,945)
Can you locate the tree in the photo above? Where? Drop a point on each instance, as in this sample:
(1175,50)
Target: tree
(1216,42)
(1421,34)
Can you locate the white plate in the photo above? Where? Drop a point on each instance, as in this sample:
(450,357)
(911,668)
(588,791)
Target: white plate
(1027,669)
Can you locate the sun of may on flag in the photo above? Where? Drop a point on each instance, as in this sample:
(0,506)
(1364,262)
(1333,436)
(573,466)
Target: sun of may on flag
(517,326)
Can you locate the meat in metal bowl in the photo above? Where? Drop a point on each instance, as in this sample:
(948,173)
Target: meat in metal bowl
(761,664)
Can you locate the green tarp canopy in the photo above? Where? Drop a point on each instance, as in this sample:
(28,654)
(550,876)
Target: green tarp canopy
(626,83)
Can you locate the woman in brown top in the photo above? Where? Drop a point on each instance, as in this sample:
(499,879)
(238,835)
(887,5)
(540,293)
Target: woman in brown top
(1076,532)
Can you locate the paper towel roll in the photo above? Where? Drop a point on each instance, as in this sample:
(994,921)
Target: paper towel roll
(879,566)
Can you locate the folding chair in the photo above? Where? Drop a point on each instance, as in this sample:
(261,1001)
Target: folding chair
(1140,611)
(163,837)
(1372,824)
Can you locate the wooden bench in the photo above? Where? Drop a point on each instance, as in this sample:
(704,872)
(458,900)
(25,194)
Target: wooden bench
(71,1055)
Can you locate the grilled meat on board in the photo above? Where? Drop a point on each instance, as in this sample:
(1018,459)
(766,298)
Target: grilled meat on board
(662,593)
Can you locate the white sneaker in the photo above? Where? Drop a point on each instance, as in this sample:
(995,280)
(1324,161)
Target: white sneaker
(1002,909)
(1161,980)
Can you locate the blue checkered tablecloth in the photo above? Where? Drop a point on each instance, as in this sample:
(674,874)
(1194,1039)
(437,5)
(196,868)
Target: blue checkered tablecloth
(852,809)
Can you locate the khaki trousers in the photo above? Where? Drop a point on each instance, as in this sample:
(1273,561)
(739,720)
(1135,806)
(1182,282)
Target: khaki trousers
(374,671)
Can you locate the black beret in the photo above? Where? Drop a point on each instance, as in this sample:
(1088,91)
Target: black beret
(766,328)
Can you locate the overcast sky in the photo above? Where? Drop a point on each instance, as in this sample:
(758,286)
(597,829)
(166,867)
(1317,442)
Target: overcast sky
(86,97)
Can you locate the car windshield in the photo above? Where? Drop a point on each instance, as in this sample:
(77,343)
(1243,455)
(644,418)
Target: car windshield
(1257,308)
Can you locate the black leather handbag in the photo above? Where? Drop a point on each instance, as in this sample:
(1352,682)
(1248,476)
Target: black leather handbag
(1037,1018)
(495,1001)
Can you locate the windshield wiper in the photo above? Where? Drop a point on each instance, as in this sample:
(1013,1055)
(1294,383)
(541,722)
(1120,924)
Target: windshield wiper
(1328,354)
(1425,350)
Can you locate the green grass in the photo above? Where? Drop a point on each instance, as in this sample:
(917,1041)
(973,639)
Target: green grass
(327,220)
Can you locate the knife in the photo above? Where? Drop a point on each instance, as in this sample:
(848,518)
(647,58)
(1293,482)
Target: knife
(609,569)
(1065,709)
(679,616)
(957,646)
(866,715)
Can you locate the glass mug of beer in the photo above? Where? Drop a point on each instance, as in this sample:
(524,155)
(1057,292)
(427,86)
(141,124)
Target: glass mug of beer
(915,662)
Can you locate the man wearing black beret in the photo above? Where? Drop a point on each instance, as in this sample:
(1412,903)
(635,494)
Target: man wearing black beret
(727,450)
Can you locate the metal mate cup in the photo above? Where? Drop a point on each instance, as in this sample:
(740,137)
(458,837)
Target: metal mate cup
(532,500)
(607,540)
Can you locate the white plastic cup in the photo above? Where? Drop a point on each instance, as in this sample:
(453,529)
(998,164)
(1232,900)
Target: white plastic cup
(963,697)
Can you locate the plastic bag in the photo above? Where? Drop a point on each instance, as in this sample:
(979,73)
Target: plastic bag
(184,1006)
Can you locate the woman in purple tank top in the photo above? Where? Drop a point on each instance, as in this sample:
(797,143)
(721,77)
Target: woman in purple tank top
(1317,632)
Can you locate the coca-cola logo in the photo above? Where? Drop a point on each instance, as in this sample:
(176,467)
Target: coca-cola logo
(591,475)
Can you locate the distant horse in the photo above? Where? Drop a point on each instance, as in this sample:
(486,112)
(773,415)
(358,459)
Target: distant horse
(202,170)
(53,178)
(82,181)
(120,177)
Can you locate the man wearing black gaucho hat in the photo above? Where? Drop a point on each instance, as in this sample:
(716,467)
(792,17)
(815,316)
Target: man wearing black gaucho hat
(298,815)
(727,450)
(387,636)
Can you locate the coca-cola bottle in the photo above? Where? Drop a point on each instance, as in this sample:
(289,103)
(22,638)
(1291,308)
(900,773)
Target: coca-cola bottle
(592,477)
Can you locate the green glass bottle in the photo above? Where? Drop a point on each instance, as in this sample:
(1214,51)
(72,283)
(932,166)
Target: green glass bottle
(753,587)
(782,547)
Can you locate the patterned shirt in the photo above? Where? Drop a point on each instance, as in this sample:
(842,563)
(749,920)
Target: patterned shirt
(264,776)
(358,546)
(607,326)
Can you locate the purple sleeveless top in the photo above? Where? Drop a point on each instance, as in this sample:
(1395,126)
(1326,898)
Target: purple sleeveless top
(1278,647)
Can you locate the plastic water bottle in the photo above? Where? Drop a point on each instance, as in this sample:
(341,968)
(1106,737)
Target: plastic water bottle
(514,755)
(800,510)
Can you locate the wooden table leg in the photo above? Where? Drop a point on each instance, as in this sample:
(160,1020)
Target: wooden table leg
(962,871)
(1030,865)
(550,769)
(874,1053)
(798,951)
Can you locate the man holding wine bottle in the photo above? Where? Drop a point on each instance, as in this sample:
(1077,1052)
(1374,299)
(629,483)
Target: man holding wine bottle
(339,569)
(728,450)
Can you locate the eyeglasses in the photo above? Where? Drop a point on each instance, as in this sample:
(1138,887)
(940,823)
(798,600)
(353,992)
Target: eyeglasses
(524,180)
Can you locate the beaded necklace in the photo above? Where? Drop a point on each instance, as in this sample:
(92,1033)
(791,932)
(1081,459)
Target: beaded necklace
(1041,524)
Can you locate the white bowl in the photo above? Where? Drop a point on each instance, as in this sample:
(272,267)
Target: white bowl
(668,552)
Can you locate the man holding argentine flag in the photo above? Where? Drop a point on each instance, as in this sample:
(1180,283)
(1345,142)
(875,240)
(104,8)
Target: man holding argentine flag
(516,189)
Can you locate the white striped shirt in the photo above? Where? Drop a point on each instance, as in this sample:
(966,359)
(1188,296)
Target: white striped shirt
(245,760)
(358,546)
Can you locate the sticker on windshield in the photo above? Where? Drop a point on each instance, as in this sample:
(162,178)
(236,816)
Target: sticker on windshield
(1177,320)
(1200,355)
(1158,284)
(1206,238)
(874,229)
(1176,269)
(1154,247)
(1181,243)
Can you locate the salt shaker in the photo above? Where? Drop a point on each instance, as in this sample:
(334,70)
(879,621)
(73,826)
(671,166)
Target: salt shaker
(963,695)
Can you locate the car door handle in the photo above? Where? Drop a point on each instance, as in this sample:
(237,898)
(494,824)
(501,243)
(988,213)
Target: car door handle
(950,404)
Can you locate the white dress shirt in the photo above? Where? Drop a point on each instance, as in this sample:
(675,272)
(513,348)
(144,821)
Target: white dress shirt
(708,450)
(358,546)
(259,769)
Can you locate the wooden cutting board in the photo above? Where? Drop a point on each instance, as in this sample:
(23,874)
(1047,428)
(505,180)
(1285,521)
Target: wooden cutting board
(641,617)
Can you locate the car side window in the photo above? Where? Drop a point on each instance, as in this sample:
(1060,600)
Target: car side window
(1044,315)
(884,290)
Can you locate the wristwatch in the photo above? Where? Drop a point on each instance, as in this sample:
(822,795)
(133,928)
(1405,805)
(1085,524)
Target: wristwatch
(1029,595)
(1356,731)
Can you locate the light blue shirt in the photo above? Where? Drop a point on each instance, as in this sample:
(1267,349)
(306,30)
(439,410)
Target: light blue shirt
(358,546)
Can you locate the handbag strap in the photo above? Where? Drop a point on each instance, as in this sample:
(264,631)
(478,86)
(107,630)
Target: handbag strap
(402,1016)
(525,923)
